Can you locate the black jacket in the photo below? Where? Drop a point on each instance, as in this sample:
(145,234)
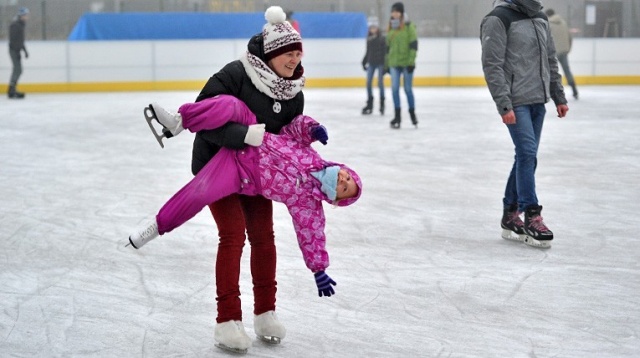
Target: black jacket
(376,49)
(16,35)
(233,80)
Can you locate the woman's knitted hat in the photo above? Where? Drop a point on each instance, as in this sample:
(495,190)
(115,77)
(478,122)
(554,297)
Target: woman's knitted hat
(278,35)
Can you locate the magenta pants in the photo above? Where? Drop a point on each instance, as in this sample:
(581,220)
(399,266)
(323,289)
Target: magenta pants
(220,176)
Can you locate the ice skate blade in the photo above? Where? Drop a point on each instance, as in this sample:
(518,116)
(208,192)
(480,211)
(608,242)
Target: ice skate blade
(270,339)
(232,350)
(150,115)
(512,236)
(544,244)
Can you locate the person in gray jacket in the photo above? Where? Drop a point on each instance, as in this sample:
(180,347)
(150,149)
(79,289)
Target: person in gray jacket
(521,71)
(563,40)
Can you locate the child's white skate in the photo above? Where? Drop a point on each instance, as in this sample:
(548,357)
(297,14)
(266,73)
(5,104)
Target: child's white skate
(143,235)
(232,337)
(171,122)
(268,328)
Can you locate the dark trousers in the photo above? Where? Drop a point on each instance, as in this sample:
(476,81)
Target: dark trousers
(564,62)
(17,67)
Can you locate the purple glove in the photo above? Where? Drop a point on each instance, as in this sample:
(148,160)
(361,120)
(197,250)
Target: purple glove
(324,283)
(320,134)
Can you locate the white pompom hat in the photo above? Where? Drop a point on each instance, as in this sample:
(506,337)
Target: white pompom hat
(278,35)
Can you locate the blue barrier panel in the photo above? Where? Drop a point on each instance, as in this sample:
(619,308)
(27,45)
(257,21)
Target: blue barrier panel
(174,26)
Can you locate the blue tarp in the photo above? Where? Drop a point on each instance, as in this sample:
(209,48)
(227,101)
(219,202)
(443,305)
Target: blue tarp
(173,26)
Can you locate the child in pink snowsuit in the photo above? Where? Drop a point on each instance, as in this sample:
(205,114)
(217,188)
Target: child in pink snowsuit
(284,168)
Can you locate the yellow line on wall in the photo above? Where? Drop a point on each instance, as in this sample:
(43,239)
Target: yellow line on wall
(310,83)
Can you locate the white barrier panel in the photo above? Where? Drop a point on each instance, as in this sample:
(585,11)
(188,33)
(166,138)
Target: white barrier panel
(95,62)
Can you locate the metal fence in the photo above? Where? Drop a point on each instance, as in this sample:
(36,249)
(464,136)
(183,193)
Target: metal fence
(54,19)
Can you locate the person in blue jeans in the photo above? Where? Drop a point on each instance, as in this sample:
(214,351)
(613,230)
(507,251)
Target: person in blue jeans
(521,69)
(373,62)
(402,48)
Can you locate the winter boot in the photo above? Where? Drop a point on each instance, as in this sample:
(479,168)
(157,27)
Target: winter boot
(412,114)
(232,337)
(537,233)
(268,328)
(382,105)
(369,108)
(512,225)
(395,122)
(172,122)
(144,235)
(13,94)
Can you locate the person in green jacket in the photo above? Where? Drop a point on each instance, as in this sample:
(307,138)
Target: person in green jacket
(402,46)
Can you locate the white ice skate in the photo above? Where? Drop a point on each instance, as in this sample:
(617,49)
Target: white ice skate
(268,328)
(232,337)
(144,235)
(171,122)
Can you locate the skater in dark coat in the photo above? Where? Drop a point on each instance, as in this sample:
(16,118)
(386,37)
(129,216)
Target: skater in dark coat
(16,47)
(373,62)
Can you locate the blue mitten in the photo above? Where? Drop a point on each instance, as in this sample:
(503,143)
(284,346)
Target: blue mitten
(324,283)
(320,134)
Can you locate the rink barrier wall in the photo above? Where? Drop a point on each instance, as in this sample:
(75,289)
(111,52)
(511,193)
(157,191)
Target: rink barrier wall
(95,66)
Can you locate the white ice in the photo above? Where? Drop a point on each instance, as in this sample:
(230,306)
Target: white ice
(420,265)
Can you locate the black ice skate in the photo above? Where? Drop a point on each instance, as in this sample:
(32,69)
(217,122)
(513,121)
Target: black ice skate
(369,107)
(537,234)
(512,225)
(395,122)
(414,119)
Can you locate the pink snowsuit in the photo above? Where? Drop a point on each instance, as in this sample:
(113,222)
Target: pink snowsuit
(279,169)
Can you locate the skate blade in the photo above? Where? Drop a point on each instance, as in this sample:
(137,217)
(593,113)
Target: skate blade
(512,236)
(536,243)
(232,350)
(150,115)
(270,339)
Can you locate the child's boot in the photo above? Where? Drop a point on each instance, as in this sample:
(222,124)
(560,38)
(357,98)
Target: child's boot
(170,121)
(231,336)
(395,122)
(268,328)
(144,235)
(369,107)
(381,105)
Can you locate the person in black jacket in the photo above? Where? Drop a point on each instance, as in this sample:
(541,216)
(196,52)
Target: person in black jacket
(269,80)
(374,61)
(16,46)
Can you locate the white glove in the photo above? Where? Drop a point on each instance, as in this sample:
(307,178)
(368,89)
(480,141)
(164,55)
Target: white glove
(255,135)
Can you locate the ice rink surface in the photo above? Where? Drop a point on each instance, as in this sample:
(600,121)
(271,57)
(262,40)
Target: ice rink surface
(420,265)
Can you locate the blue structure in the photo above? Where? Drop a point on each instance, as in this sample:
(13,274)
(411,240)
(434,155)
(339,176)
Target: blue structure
(181,25)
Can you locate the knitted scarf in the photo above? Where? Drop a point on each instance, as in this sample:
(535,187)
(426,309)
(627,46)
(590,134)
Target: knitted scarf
(267,81)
